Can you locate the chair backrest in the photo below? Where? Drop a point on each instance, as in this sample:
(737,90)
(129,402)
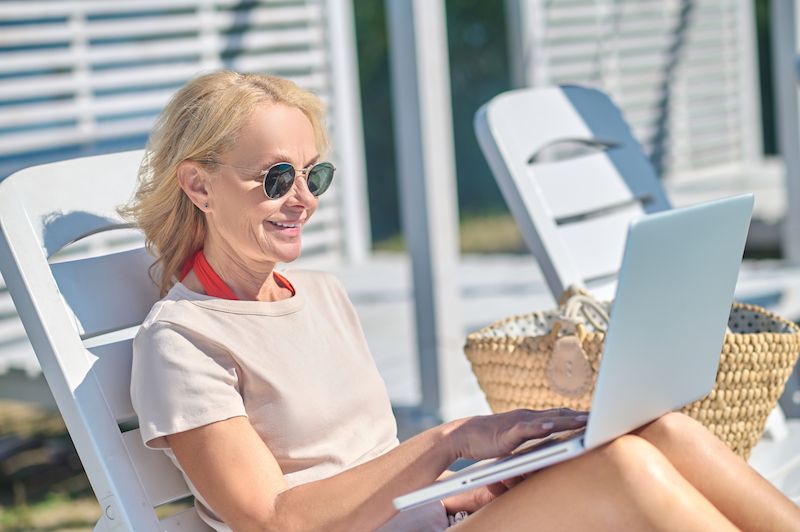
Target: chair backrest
(573,176)
(81,305)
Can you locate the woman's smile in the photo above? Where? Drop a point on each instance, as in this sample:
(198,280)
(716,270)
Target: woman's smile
(291,229)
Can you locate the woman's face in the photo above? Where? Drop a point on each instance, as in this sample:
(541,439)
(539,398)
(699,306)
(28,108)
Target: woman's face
(242,219)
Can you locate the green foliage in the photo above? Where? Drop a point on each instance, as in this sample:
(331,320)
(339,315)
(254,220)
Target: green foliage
(478,70)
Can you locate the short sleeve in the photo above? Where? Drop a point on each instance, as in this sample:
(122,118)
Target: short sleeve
(180,381)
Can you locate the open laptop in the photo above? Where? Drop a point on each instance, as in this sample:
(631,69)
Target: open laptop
(662,348)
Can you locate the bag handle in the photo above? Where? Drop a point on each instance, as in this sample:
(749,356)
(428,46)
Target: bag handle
(575,306)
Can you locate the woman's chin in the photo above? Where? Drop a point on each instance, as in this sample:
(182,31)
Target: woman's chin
(288,255)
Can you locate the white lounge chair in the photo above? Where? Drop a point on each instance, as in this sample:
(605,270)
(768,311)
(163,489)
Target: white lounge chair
(80,313)
(573,177)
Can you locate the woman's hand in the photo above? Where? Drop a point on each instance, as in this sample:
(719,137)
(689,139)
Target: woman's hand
(481,437)
(489,436)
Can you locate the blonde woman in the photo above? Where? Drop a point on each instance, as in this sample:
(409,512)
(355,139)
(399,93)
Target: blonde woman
(260,387)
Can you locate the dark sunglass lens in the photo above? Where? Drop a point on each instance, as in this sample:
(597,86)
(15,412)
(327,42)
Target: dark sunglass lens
(279,180)
(320,177)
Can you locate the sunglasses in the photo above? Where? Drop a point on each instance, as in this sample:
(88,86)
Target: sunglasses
(279,178)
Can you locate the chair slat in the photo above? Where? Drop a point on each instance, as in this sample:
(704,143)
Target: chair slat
(57,218)
(183,521)
(581,185)
(596,245)
(108,292)
(162,481)
(113,371)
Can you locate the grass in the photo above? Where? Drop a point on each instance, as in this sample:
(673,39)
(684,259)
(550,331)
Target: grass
(57,511)
(478,233)
(60,511)
(43,487)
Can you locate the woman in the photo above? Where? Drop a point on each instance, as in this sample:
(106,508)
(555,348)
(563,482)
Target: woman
(261,389)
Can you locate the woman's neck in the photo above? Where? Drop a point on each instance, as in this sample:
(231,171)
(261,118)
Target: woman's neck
(248,281)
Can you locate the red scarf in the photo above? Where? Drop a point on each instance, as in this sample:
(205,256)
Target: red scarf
(213,283)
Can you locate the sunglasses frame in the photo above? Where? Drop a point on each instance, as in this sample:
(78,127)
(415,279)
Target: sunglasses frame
(264,173)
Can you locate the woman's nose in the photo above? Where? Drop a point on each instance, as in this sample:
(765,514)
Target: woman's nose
(300,188)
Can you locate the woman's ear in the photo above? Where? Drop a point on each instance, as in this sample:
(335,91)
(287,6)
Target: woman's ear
(192,179)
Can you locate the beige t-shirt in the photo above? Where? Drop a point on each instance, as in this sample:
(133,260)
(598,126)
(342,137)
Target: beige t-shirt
(299,369)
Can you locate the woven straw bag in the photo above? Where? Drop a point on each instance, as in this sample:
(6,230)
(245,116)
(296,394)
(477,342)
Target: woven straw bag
(550,359)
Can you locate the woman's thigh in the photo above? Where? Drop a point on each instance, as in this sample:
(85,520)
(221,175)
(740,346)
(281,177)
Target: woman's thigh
(723,477)
(627,484)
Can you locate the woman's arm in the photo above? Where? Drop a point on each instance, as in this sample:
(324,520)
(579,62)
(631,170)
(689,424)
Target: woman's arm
(239,477)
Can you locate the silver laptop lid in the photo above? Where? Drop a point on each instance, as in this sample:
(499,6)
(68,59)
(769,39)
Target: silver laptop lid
(668,319)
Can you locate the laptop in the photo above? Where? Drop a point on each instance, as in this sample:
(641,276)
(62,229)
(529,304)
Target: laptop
(664,338)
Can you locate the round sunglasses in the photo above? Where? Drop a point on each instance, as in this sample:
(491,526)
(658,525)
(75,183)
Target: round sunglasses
(279,178)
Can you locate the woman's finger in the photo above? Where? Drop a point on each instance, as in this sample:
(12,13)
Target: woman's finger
(540,428)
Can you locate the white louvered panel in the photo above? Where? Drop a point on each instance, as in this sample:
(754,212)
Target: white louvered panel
(702,152)
(711,13)
(647,43)
(701,121)
(641,100)
(644,62)
(700,69)
(157,74)
(627,46)
(14,10)
(707,119)
(721,76)
(173,73)
(6,304)
(165,48)
(640,78)
(11,330)
(584,71)
(647,8)
(323,221)
(703,93)
(324,240)
(704,143)
(720,47)
(558,36)
(679,163)
(699,159)
(712,42)
(639,116)
(109,105)
(326,213)
(218,21)
(702,149)
(294,61)
(574,50)
(64,136)
(71,109)
(726,31)
(635,29)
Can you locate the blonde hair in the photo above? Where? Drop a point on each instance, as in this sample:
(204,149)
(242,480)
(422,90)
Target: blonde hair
(201,121)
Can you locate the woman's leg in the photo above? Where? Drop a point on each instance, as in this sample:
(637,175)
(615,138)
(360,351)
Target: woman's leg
(741,494)
(625,485)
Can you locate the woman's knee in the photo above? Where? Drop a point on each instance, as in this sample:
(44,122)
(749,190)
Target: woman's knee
(637,464)
(677,431)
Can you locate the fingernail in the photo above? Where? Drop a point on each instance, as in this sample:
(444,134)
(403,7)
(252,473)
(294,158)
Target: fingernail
(547,425)
(582,417)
